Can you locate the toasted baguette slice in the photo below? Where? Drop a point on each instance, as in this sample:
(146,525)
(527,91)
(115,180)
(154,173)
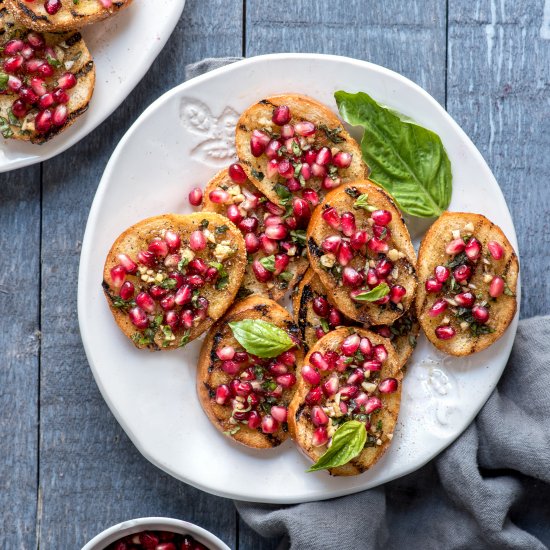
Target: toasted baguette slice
(211,375)
(399,251)
(181,300)
(329,133)
(246,195)
(470,335)
(402,333)
(72,15)
(73,57)
(382,421)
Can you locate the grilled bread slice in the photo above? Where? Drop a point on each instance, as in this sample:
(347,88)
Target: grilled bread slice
(65,81)
(168,278)
(358,242)
(314,127)
(468,275)
(71,15)
(315,317)
(244,396)
(273,265)
(375,401)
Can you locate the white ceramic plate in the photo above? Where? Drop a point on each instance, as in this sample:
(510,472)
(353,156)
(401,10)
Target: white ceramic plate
(181,141)
(123,47)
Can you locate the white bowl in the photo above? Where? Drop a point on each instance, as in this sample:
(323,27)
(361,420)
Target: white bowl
(133,526)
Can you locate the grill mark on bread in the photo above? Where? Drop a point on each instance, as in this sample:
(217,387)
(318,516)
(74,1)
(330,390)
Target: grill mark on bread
(73,39)
(30,13)
(307,295)
(314,247)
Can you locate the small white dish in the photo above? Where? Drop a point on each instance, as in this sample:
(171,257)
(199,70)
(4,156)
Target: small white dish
(101,541)
(123,47)
(179,142)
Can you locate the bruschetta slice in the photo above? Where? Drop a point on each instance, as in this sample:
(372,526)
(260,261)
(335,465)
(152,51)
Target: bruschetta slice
(62,15)
(168,278)
(275,242)
(350,374)
(361,250)
(46,81)
(244,395)
(293,146)
(468,273)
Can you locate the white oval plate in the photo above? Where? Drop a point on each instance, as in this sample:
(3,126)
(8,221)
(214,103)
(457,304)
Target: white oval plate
(181,141)
(123,47)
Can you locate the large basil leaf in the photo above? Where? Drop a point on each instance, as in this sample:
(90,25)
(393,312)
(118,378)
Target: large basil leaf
(407,160)
(261,338)
(375,294)
(347,442)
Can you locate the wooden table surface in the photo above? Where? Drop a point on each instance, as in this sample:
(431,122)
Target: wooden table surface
(67,470)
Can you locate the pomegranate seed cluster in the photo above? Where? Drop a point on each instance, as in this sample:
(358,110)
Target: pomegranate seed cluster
(157,540)
(162,288)
(346,385)
(460,305)
(328,317)
(303,158)
(53,6)
(254,389)
(360,256)
(34,72)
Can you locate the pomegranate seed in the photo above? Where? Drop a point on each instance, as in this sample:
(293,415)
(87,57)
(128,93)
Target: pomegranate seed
(223,394)
(252,243)
(300,208)
(331,217)
(330,387)
(285,168)
(330,182)
(43,121)
(46,101)
(271,221)
(455,246)
(19,109)
(168,302)
(197,241)
(438,308)
(473,249)
(351,277)
(342,159)
(138,317)
(195,196)
(61,97)
(118,274)
(14,83)
(269,424)
(126,290)
(332,244)
(260,272)
(230,367)
(305,172)
(127,263)
(356,377)
(287,131)
(171,318)
(13,64)
(381,232)
(146,258)
(381,217)
(348,392)
(345,254)
(311,196)
(276,232)
(383,300)
(347,221)
(314,396)
(372,277)
(396,293)
(272,148)
(249,375)
(39,86)
(186,318)
(258,142)
(67,81)
(52,6)
(254,420)
(32,65)
(361,399)
(495,250)
(196,281)
(281,115)
(324,156)
(373,404)
(318,361)
(334,317)
(249,225)
(496,288)
(173,239)
(388,385)
(442,273)
(281,263)
(380,353)
(277,369)
(384,331)
(365,347)
(269,246)
(318,416)
(243,389)
(359,239)
(383,268)
(350,345)
(234,214)
(321,306)
(319,332)
(60,115)
(304,128)
(288,358)
(377,245)
(433,285)
(157,292)
(13,46)
(146,302)
(218,196)
(241,356)
(279,413)
(480,314)
(310,375)
(465,299)
(320,437)
(45,70)
(272,168)
(462,273)
(286,380)
(36,40)
(445,332)
(318,171)
(373,365)
(27,95)
(183,295)
(158,247)
(237,174)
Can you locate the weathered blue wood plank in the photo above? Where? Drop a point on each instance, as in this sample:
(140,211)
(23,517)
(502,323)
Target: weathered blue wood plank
(498,90)
(19,345)
(91,476)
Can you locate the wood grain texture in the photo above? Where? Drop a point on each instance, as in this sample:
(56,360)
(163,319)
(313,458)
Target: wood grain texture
(19,342)
(498,84)
(91,475)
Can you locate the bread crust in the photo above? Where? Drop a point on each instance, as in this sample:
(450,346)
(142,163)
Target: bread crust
(137,237)
(70,17)
(432,253)
(368,313)
(72,47)
(301,429)
(277,287)
(210,375)
(258,116)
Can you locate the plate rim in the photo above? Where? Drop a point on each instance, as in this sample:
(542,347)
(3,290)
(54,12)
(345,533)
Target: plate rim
(94,211)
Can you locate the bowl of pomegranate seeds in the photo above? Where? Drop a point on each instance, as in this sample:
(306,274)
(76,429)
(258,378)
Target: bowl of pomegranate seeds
(155,534)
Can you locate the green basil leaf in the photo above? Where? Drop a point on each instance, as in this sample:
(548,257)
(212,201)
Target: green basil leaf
(406,159)
(261,338)
(363,202)
(4,78)
(347,442)
(298,236)
(375,294)
(268,262)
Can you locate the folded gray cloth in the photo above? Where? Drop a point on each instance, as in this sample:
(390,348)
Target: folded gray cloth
(489,489)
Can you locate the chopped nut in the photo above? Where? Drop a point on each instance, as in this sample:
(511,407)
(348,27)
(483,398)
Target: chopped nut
(222,252)
(487,278)
(209,235)
(142,269)
(144,278)
(464,325)
(327,260)
(369,387)
(456,234)
(379,441)
(187,254)
(469,227)
(234,190)
(394,273)
(400,306)
(393,255)
(389,436)
(149,272)
(471,285)
(486,261)
(237,199)
(445,321)
(159,277)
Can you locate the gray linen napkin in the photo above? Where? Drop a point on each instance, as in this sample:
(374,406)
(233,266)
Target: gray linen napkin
(489,489)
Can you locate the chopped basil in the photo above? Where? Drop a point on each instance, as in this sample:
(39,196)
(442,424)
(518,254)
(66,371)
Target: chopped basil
(298,236)
(362,202)
(204,224)
(222,229)
(168,284)
(4,78)
(232,431)
(332,134)
(258,175)
(459,259)
(286,276)
(53,62)
(324,325)
(184,339)
(182,263)
(268,262)
(285,196)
